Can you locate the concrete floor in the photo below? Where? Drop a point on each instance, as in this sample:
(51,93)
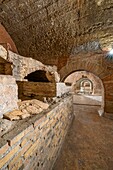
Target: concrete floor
(89,142)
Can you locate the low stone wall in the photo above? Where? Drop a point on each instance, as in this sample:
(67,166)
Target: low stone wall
(35,143)
(8,94)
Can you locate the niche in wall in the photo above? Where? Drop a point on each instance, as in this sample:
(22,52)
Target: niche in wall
(37,76)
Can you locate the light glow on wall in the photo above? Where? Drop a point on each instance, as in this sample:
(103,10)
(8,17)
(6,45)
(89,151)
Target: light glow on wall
(109,55)
(111,52)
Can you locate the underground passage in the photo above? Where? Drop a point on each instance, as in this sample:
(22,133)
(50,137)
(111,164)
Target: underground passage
(56,85)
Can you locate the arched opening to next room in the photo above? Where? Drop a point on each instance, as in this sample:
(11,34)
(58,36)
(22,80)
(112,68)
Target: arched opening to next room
(87,89)
(83,86)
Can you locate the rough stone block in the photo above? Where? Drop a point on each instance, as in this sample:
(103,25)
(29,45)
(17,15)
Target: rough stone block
(37,123)
(8,94)
(31,149)
(61,89)
(39,140)
(14,161)
(4,160)
(23,142)
(26,147)
(15,139)
(3,149)
(14,115)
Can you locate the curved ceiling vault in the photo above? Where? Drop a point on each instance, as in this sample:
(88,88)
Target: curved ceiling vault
(48,30)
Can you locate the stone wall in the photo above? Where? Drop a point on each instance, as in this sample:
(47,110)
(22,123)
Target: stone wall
(35,90)
(95,64)
(39,90)
(108,85)
(8,94)
(22,66)
(35,143)
(62,89)
(49,30)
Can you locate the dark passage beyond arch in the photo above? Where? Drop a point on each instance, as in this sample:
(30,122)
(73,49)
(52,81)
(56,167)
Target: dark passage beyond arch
(37,76)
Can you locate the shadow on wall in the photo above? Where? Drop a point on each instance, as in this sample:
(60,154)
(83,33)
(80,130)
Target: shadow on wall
(37,76)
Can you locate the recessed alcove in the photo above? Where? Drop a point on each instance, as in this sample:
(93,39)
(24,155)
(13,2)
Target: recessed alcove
(37,76)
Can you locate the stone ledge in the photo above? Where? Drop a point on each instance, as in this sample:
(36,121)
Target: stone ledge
(8,94)
(33,120)
(40,135)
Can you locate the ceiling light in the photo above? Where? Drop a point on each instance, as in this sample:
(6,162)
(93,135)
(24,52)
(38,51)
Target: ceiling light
(111,52)
(109,55)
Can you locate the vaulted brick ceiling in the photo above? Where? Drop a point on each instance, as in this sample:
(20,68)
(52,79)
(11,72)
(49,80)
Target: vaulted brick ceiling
(49,29)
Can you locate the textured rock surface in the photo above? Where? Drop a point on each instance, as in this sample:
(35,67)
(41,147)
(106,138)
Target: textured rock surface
(94,63)
(5,125)
(39,90)
(22,66)
(14,115)
(56,32)
(34,143)
(62,89)
(35,103)
(8,94)
(26,109)
(51,29)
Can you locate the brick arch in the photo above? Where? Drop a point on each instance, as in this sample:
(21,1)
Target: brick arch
(101,111)
(81,80)
(98,70)
(94,64)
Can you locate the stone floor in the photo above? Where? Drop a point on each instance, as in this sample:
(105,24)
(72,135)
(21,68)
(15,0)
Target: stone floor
(89,142)
(87,100)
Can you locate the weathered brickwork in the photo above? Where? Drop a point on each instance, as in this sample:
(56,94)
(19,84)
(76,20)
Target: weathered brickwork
(96,64)
(48,30)
(22,66)
(39,90)
(8,94)
(35,143)
(108,85)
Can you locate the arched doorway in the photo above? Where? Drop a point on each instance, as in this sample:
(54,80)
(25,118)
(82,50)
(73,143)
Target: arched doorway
(87,89)
(86,86)
(99,68)
(83,86)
